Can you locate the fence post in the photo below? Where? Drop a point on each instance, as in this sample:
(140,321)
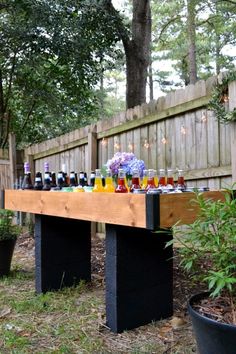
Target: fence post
(232,106)
(92,160)
(12,158)
(92,148)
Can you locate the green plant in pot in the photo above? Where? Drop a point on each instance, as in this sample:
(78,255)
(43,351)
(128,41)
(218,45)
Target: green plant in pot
(8,235)
(208,254)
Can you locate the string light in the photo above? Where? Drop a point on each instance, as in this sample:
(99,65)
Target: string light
(146,144)
(164,140)
(204,118)
(130,146)
(117,146)
(225,98)
(104,142)
(183,130)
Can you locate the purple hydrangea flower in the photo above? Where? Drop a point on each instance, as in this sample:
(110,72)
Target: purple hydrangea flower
(127,161)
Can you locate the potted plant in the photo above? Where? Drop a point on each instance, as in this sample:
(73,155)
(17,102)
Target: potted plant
(208,254)
(8,235)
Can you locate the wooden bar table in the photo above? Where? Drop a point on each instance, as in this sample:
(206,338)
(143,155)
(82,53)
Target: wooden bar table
(138,269)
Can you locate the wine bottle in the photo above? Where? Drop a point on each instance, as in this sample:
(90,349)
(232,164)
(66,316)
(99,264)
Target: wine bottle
(47,177)
(27,182)
(38,183)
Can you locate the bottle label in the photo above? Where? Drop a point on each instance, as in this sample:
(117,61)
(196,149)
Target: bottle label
(37,179)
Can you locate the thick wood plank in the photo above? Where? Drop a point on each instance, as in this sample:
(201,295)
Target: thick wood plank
(118,209)
(180,207)
(128,209)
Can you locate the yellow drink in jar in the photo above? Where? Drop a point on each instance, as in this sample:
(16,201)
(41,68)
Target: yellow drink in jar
(98,187)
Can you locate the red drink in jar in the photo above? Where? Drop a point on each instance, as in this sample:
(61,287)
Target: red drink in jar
(150,181)
(121,186)
(162,178)
(181,183)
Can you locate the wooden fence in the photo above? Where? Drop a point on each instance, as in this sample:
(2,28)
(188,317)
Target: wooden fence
(175,131)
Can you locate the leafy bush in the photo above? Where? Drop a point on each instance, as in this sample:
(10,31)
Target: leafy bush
(8,230)
(208,249)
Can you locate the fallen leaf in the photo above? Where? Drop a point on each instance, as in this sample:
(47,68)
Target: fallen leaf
(5,311)
(177,322)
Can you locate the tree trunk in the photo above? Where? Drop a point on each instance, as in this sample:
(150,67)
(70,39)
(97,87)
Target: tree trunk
(137,54)
(191,41)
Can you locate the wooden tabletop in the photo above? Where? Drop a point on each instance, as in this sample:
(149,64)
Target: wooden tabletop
(120,209)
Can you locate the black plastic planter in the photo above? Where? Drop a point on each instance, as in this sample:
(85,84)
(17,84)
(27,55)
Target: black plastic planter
(6,252)
(212,337)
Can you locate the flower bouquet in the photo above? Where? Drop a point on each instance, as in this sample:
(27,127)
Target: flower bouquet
(127,161)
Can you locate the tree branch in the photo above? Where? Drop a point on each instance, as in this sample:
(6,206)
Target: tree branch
(28,115)
(8,94)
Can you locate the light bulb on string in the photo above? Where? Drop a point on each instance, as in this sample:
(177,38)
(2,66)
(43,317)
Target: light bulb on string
(164,140)
(117,145)
(183,130)
(204,118)
(130,146)
(104,142)
(146,144)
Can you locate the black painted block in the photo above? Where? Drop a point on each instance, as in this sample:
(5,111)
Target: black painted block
(62,252)
(139,277)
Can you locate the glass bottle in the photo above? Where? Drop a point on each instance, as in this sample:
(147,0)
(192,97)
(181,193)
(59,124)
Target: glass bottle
(162,178)
(121,185)
(98,187)
(85,179)
(92,178)
(170,179)
(27,182)
(180,182)
(145,179)
(65,176)
(47,177)
(150,181)
(72,179)
(155,178)
(81,179)
(38,183)
(53,180)
(60,180)
(135,183)
(109,185)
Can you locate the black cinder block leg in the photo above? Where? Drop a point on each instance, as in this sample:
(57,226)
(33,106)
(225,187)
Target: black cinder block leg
(62,252)
(139,277)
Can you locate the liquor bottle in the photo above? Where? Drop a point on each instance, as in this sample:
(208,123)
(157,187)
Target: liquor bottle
(135,183)
(150,181)
(109,186)
(81,179)
(47,178)
(72,179)
(60,180)
(92,178)
(38,183)
(85,179)
(98,187)
(53,180)
(180,182)
(65,176)
(27,182)
(121,186)
(162,178)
